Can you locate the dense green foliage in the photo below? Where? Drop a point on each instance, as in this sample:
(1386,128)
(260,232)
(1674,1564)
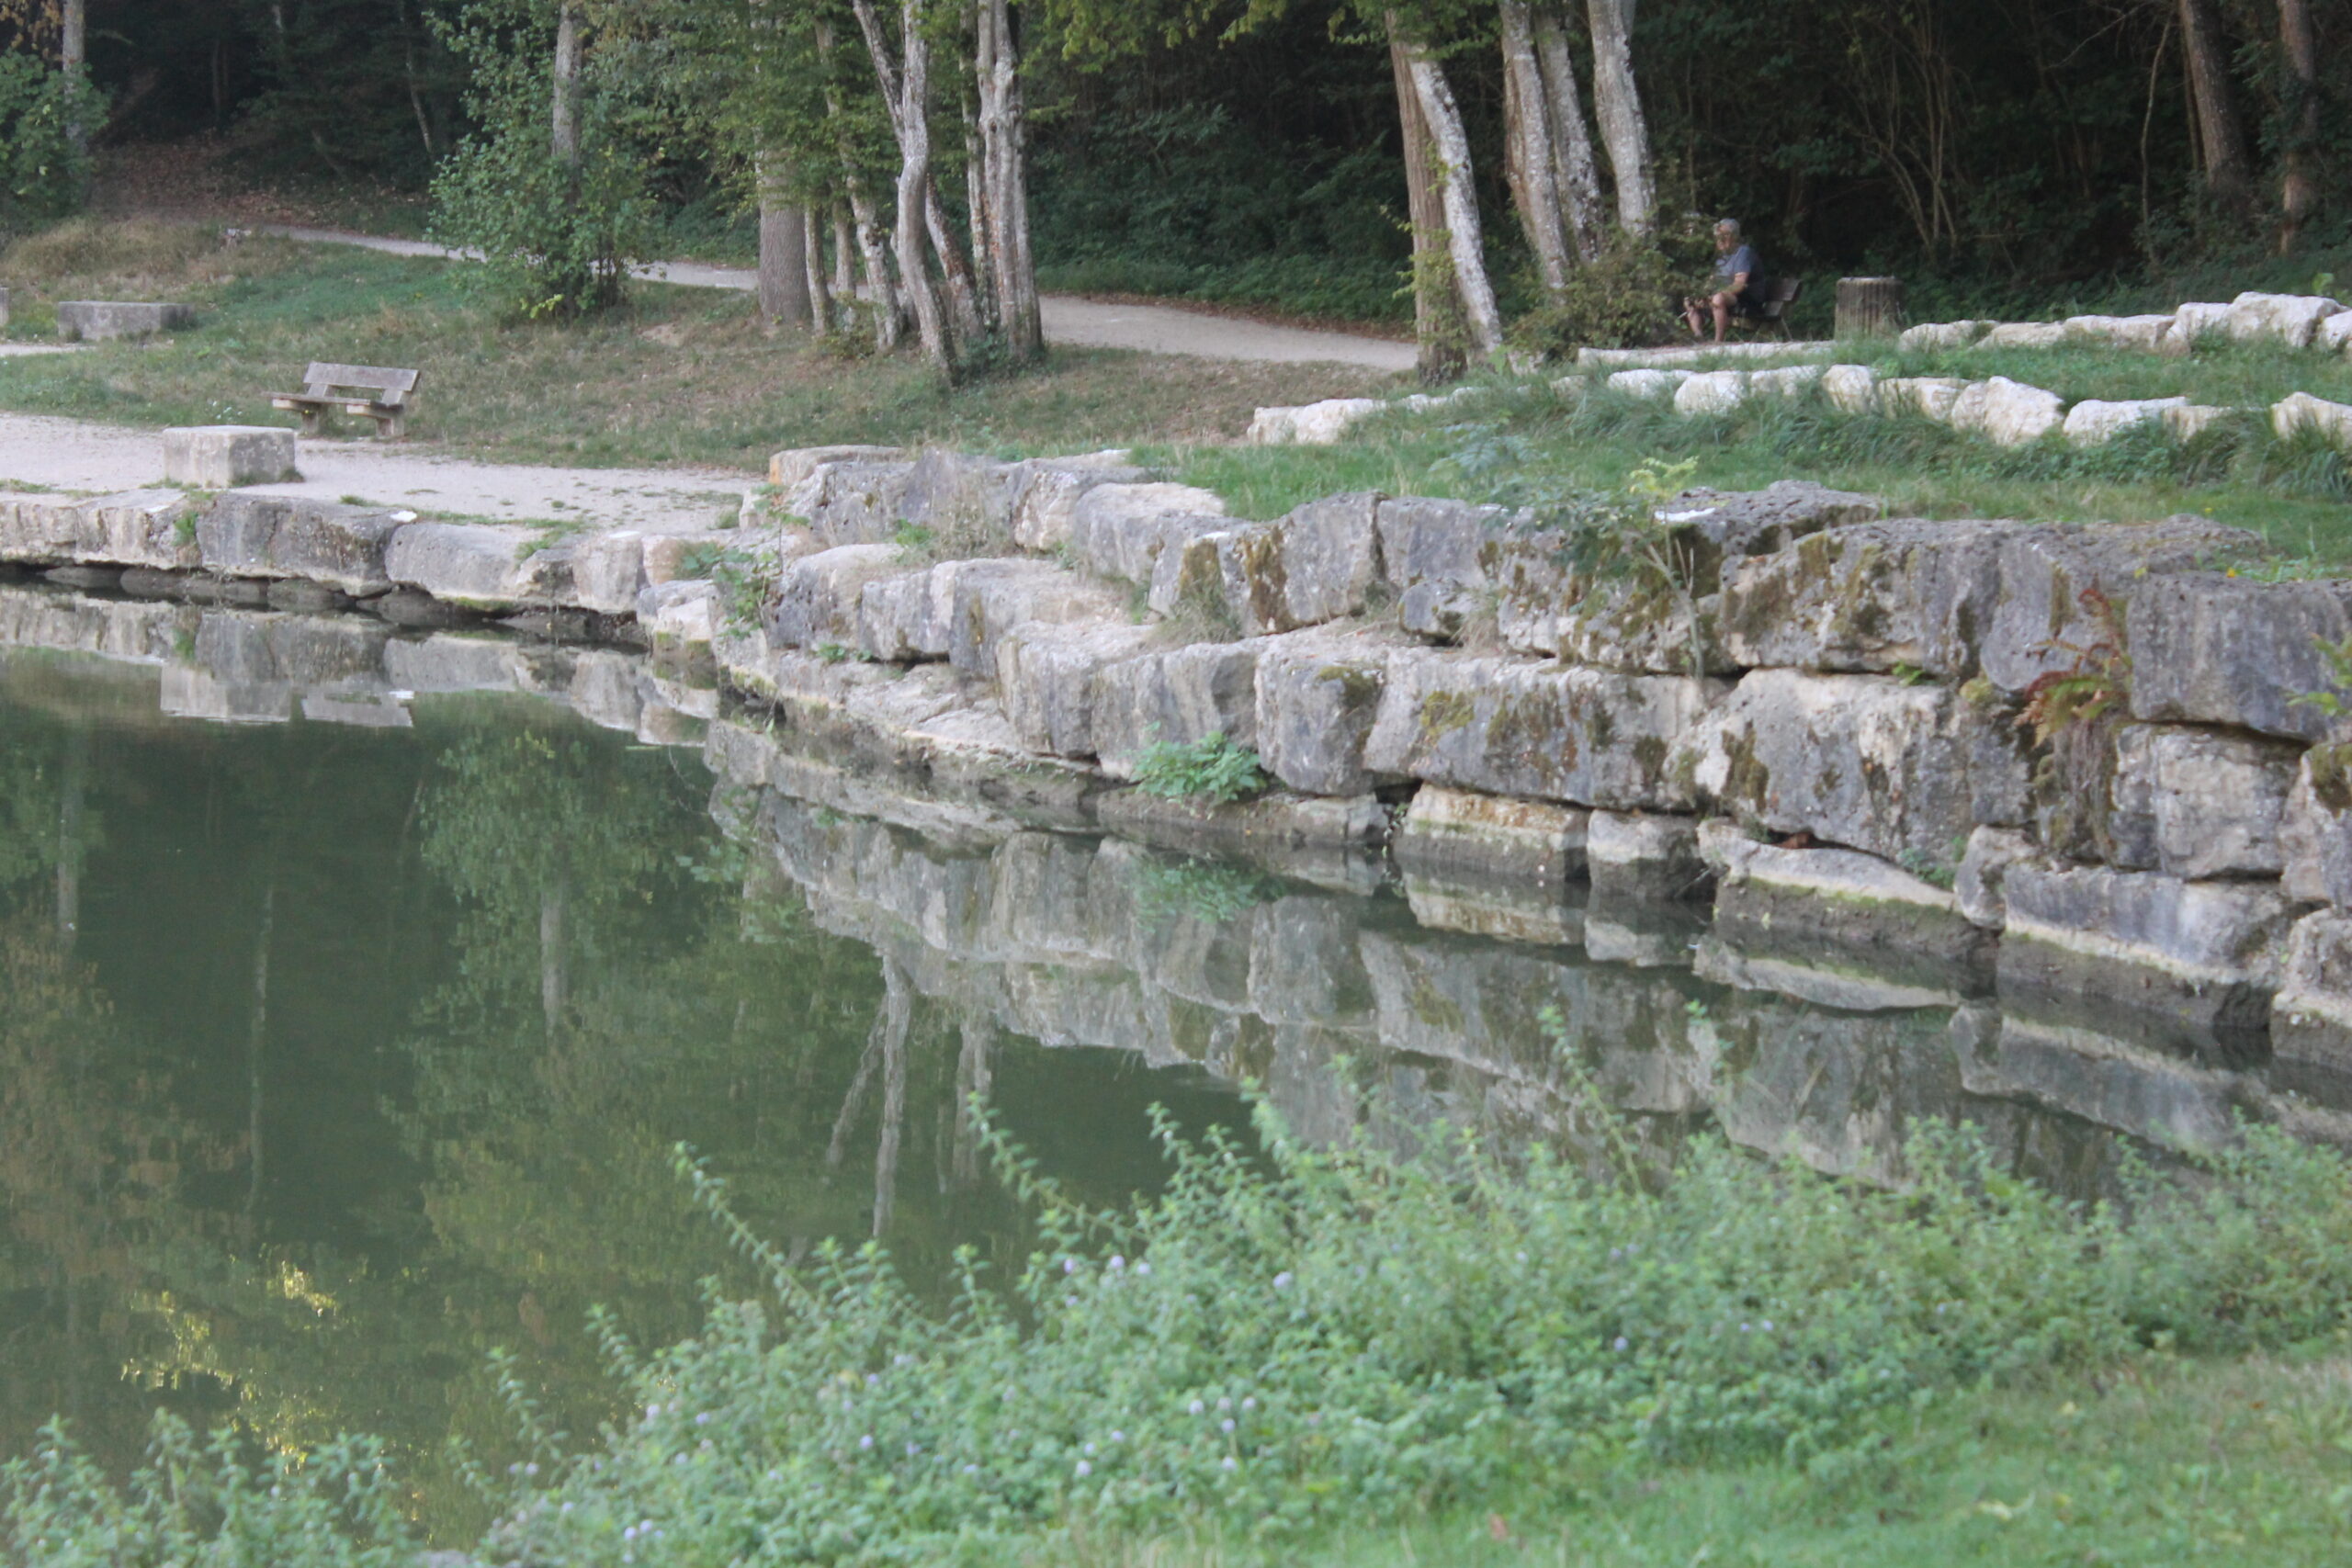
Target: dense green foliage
(1295,1337)
(1213,769)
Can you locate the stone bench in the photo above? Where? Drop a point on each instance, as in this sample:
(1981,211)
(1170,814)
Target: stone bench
(223,456)
(99,320)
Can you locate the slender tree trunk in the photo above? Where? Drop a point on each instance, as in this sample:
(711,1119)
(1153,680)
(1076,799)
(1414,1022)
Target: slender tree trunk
(812,262)
(1575,178)
(1528,157)
(566,120)
(73,60)
(1004,138)
(1435,311)
(1617,100)
(256,1046)
(2228,178)
(845,251)
(906,92)
(1458,188)
(555,973)
(2299,193)
(74,787)
(897,1012)
(784,253)
(975,1075)
(872,250)
(980,221)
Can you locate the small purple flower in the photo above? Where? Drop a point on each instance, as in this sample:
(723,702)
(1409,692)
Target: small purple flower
(1084,1469)
(1197,1407)
(703,1419)
(1070,1265)
(1768,1325)
(1282,1280)
(866,1441)
(1117,1262)
(1226,1425)
(1624,1343)
(1250,1404)
(1225,1404)
(1143,1267)
(1232,1464)
(1744,1329)
(1118,1437)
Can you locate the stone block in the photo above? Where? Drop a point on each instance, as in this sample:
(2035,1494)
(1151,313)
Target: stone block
(1710,528)
(2332,335)
(1434,556)
(2310,1017)
(1044,510)
(818,596)
(1520,726)
(1317,565)
(1326,423)
(2189,423)
(478,566)
(1930,397)
(102,321)
(1790,382)
(1904,771)
(852,502)
(2315,835)
(1175,697)
(1318,695)
(223,456)
(1868,598)
(295,538)
(1651,384)
(1850,388)
(679,617)
(2006,412)
(2210,953)
(134,528)
(1119,530)
(2300,411)
(2042,618)
(1046,674)
(2146,334)
(2193,322)
(1938,336)
(965,502)
(986,598)
(2094,422)
(2025,334)
(1711,391)
(2210,648)
(1831,896)
(2290,318)
(608,571)
(1991,851)
(1632,627)
(2200,803)
(1458,835)
(1635,854)
(790,469)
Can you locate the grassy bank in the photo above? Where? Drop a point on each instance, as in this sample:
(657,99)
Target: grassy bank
(684,376)
(1298,1357)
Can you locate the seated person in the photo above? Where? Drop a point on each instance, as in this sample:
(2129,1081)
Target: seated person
(1742,272)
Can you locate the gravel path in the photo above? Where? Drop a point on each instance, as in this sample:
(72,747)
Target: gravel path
(1079,323)
(68,455)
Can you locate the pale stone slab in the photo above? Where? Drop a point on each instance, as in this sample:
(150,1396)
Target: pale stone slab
(223,456)
(102,321)
(1457,834)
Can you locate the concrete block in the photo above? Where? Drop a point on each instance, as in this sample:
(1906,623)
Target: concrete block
(99,320)
(224,456)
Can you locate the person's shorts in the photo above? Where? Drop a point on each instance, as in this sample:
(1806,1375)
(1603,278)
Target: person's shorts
(1748,304)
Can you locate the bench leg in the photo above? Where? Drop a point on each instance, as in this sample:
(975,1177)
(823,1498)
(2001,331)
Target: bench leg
(314,422)
(390,426)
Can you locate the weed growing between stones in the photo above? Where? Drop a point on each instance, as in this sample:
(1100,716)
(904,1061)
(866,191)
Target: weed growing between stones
(1291,1336)
(1212,769)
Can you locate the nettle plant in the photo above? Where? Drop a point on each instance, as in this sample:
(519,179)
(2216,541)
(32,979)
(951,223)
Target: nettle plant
(1212,769)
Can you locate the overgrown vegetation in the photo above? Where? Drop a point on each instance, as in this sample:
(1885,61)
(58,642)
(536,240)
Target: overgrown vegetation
(1213,769)
(1289,1342)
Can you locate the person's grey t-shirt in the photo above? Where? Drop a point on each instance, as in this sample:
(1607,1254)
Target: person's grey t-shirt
(1743,259)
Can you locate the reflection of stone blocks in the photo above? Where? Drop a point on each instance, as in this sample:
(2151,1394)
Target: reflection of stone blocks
(222,456)
(97,320)
(190,693)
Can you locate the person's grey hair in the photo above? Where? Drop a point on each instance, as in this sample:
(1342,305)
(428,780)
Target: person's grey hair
(1728,226)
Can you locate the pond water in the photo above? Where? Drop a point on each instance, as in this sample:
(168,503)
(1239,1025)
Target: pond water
(337,1050)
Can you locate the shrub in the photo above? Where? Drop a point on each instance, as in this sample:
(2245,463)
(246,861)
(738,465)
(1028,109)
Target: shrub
(1630,297)
(46,175)
(1212,768)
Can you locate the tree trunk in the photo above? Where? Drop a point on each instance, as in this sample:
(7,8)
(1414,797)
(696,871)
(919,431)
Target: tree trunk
(906,93)
(1579,182)
(2228,178)
(1465,241)
(1868,307)
(555,968)
(2299,193)
(1004,147)
(784,255)
(872,251)
(1533,162)
(73,60)
(898,1017)
(73,788)
(1434,310)
(566,120)
(1618,102)
(845,251)
(813,261)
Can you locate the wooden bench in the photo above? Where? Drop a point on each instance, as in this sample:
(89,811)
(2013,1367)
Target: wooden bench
(362,391)
(1772,305)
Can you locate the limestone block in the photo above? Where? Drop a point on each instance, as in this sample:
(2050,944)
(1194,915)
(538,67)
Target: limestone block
(985,600)
(2193,322)
(292,537)
(1174,696)
(140,527)
(790,469)
(1850,388)
(852,502)
(1118,530)
(2109,1073)
(2310,1018)
(223,456)
(1930,397)
(2006,412)
(2300,411)
(1647,383)
(1638,854)
(666,557)
(1434,554)
(1326,423)
(1457,834)
(608,571)
(1869,597)
(2315,834)
(1833,895)
(1936,336)
(965,501)
(2025,334)
(1317,565)
(2042,616)
(1977,887)
(2189,423)
(1523,727)
(2212,803)
(479,566)
(114,629)
(818,596)
(1474,903)
(895,619)
(2146,334)
(1046,673)
(1790,382)
(2212,951)
(198,693)
(2209,649)
(1318,695)
(2093,423)
(1713,527)
(1633,627)
(1045,511)
(679,617)
(2331,336)
(447,662)
(1330,557)
(604,689)
(1905,772)
(101,321)
(2291,318)
(1711,391)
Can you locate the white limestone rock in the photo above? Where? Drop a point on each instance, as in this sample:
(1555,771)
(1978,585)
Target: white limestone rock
(1647,383)
(1935,336)
(1850,388)
(2094,422)
(2006,412)
(2146,334)
(2300,411)
(2290,318)
(1326,423)
(1790,382)
(224,456)
(2025,334)
(1930,397)
(1711,391)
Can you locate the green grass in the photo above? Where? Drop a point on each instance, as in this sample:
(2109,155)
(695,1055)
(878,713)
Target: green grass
(681,376)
